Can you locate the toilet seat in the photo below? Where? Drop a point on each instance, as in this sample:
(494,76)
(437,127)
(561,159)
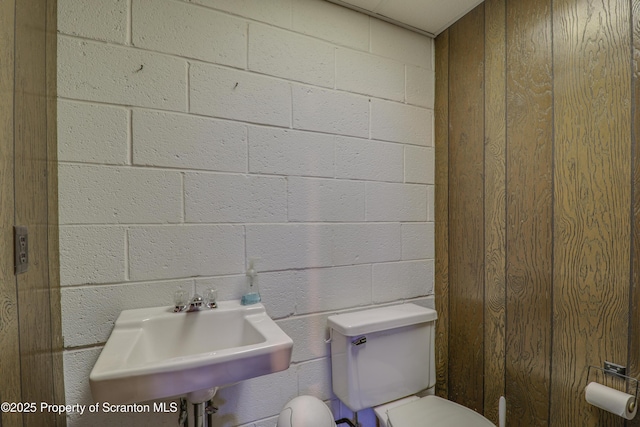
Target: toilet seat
(433,411)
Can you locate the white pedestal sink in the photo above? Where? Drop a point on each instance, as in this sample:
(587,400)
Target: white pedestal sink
(154,353)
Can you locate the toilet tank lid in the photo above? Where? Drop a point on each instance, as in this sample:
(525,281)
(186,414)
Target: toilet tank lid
(380,319)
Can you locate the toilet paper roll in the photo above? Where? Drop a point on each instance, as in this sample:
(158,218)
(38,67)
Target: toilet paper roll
(611,400)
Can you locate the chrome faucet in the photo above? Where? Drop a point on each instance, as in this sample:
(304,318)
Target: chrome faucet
(197,303)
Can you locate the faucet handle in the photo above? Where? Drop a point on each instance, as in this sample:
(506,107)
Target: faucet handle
(180,300)
(210,296)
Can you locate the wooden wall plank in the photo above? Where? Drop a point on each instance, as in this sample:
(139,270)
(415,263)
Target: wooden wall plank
(466,216)
(634,318)
(57,344)
(441,108)
(592,200)
(32,206)
(529,210)
(10,388)
(495,206)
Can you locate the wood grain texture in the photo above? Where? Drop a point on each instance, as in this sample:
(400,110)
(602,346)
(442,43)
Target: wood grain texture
(592,200)
(466,216)
(572,238)
(441,115)
(57,344)
(634,316)
(495,206)
(529,210)
(31,200)
(10,388)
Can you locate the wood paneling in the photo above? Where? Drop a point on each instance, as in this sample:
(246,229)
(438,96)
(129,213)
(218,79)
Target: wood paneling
(30,326)
(494,206)
(442,216)
(634,324)
(592,200)
(558,211)
(529,210)
(57,344)
(466,216)
(32,206)
(10,390)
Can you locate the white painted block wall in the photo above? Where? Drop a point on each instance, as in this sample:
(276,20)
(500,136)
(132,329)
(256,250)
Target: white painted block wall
(196,134)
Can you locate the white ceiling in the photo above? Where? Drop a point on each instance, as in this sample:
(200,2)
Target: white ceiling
(429,17)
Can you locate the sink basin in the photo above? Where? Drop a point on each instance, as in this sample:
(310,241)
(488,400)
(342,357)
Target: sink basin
(154,353)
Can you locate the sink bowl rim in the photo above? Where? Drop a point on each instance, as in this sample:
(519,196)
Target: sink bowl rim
(132,321)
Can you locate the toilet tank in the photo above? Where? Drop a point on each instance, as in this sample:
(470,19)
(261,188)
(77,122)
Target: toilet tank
(382,354)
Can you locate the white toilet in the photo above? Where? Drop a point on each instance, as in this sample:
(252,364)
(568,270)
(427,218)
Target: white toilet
(382,357)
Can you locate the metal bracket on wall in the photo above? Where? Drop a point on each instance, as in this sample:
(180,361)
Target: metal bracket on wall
(613,369)
(21,249)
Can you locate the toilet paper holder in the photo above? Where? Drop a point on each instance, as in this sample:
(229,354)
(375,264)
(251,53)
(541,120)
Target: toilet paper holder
(616,371)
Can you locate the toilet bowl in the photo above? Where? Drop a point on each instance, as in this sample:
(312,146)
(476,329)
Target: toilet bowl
(382,357)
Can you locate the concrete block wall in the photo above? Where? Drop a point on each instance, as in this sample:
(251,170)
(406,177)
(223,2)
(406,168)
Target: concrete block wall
(194,135)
